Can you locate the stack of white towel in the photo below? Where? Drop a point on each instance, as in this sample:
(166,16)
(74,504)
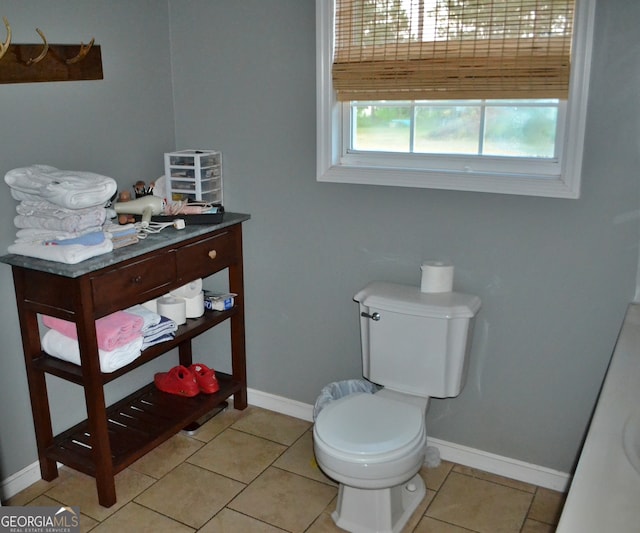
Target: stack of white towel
(121,336)
(119,340)
(156,328)
(60,214)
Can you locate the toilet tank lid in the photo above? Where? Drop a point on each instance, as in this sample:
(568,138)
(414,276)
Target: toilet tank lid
(410,300)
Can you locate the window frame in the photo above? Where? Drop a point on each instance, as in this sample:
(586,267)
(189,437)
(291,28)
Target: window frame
(335,165)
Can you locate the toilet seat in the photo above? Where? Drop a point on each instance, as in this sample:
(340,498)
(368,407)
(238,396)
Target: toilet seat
(369,428)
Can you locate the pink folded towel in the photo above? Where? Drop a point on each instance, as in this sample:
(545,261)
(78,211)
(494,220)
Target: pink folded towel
(67,349)
(112,331)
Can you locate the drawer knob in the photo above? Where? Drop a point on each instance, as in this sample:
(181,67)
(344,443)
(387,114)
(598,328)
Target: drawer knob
(137,279)
(212,254)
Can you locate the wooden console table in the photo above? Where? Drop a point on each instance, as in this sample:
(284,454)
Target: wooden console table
(114,437)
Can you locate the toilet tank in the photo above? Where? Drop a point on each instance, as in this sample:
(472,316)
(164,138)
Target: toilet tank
(417,343)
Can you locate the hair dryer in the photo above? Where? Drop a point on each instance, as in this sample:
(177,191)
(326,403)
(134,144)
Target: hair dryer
(146,206)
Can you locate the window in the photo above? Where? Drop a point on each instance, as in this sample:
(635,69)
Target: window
(498,122)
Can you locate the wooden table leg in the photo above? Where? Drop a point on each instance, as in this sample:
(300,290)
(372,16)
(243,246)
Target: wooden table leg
(97,417)
(36,380)
(184,353)
(101,446)
(238,348)
(42,422)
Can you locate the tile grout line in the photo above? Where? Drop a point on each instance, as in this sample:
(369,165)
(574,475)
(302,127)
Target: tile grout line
(306,474)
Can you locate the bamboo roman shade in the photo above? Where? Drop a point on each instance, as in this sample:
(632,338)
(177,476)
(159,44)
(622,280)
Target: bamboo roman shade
(452,49)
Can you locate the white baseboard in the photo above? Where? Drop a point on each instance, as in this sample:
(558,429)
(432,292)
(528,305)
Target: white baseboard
(495,464)
(449,451)
(502,466)
(279,404)
(20,480)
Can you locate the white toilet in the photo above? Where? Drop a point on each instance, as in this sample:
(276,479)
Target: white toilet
(415,345)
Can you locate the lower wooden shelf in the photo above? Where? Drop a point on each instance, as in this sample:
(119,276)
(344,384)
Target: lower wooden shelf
(137,424)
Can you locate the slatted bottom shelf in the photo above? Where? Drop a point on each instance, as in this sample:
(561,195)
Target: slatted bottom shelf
(137,424)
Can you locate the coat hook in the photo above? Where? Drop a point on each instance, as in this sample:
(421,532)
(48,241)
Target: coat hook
(44,50)
(84,50)
(5,46)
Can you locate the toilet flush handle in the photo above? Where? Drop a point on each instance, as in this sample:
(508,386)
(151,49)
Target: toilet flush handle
(373,316)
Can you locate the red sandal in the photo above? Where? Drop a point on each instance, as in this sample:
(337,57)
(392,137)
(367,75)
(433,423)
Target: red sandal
(179,380)
(205,378)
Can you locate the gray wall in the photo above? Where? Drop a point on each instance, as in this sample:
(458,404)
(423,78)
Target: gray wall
(554,276)
(119,126)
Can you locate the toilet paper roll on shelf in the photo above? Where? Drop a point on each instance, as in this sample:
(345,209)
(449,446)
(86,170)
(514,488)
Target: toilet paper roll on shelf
(190,290)
(194,307)
(437,277)
(173,308)
(151,305)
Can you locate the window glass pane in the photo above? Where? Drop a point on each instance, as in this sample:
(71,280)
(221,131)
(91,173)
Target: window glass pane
(447,129)
(516,131)
(381,128)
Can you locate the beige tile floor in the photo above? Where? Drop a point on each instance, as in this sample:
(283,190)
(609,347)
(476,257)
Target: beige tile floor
(254,471)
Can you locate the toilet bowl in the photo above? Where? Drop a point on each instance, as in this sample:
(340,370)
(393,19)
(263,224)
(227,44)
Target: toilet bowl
(370,442)
(374,447)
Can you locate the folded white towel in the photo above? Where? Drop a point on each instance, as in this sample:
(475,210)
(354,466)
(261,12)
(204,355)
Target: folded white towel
(150,319)
(39,235)
(112,331)
(45,215)
(165,330)
(46,209)
(71,254)
(62,347)
(66,188)
(119,230)
(70,224)
(156,339)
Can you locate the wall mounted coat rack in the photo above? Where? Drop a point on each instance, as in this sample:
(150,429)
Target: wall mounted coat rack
(30,63)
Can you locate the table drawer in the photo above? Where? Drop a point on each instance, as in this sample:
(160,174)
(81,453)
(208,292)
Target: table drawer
(133,283)
(206,257)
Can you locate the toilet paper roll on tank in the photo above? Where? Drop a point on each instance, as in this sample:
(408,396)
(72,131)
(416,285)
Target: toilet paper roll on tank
(437,277)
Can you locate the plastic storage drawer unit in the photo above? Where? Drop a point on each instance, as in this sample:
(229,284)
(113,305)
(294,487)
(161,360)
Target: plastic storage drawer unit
(194,175)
